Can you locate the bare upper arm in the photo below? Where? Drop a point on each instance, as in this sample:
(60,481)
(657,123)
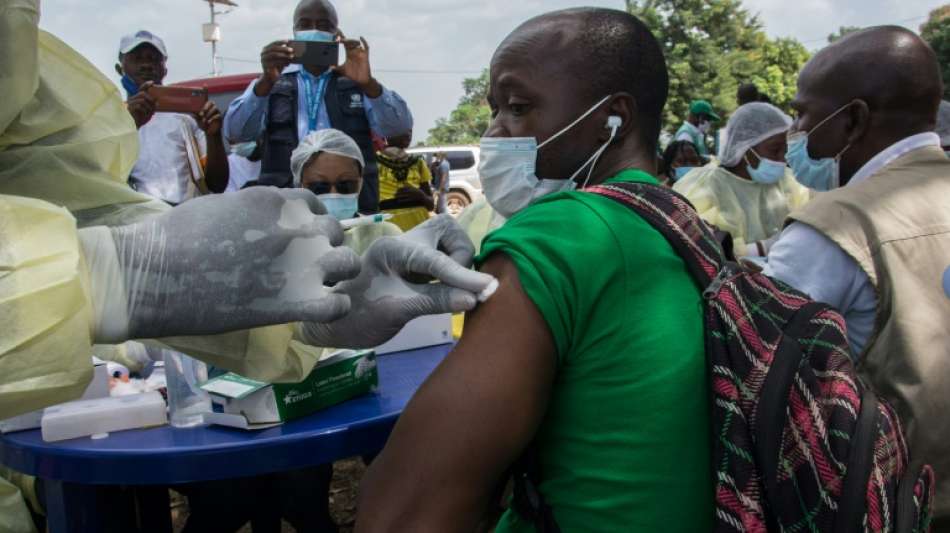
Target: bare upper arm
(469,421)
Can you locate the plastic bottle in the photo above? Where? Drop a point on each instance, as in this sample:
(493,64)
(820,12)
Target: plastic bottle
(187,403)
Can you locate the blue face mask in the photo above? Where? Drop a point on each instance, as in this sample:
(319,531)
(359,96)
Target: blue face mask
(244,149)
(340,206)
(131,88)
(817,174)
(768,172)
(679,172)
(315,36)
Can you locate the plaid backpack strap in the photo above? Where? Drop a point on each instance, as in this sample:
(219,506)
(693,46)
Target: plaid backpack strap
(675,218)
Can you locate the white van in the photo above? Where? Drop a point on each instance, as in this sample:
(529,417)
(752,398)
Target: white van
(464,185)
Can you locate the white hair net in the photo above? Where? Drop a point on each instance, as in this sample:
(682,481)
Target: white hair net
(943,123)
(330,141)
(747,127)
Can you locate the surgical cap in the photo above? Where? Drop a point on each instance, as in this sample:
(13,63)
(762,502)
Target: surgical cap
(747,127)
(330,141)
(943,123)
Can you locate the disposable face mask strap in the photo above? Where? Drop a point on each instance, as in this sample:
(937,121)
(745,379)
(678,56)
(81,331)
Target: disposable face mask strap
(841,153)
(572,124)
(831,116)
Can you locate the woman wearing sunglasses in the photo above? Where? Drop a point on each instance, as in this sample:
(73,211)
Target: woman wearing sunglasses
(329,164)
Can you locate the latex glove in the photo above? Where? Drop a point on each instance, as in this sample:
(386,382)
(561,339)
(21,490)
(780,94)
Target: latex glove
(219,263)
(384,300)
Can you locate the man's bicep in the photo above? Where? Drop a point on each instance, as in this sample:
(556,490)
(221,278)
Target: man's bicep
(470,420)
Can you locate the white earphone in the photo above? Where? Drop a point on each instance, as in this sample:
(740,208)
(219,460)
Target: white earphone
(613,121)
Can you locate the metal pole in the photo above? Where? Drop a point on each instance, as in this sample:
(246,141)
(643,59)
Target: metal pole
(214,45)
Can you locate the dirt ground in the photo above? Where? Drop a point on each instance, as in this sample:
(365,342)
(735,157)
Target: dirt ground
(346,478)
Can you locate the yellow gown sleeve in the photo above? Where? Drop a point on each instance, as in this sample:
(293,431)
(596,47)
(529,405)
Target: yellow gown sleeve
(698,187)
(45,349)
(14,514)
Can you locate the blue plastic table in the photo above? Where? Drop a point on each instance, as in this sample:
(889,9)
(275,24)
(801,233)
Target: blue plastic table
(166,455)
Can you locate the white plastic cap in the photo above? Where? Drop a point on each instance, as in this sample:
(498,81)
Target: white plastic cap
(330,141)
(747,127)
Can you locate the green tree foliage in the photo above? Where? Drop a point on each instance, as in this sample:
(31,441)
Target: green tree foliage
(842,31)
(936,31)
(467,123)
(712,47)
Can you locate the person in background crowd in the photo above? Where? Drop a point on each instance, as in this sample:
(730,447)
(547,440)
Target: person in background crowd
(678,159)
(877,245)
(245,164)
(747,93)
(288,102)
(593,309)
(943,126)
(405,185)
(697,125)
(329,164)
(440,179)
(748,192)
(179,157)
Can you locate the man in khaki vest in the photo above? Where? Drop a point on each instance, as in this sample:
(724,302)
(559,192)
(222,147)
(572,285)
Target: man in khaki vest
(877,245)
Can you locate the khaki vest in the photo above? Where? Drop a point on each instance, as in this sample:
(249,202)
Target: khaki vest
(896,225)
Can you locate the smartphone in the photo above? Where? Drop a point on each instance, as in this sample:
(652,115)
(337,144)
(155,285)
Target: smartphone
(178,99)
(316,54)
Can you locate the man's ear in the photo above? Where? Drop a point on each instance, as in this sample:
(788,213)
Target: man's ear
(859,119)
(623,106)
(118,69)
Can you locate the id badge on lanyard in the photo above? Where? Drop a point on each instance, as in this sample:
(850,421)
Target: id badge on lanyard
(314,96)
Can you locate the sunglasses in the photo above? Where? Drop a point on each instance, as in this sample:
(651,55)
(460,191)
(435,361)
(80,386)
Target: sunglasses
(340,187)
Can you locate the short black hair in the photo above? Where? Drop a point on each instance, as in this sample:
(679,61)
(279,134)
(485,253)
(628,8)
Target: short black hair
(669,155)
(747,92)
(623,56)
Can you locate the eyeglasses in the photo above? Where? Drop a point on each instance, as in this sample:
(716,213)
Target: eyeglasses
(340,187)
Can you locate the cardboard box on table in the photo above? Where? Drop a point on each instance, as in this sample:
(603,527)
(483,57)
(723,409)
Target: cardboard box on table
(250,404)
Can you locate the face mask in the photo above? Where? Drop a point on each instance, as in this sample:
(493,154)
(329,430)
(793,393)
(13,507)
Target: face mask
(507,169)
(244,149)
(131,88)
(768,172)
(704,127)
(679,172)
(315,36)
(821,174)
(340,206)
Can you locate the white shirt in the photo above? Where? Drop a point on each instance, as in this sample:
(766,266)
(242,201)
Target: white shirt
(171,148)
(811,262)
(684,135)
(241,171)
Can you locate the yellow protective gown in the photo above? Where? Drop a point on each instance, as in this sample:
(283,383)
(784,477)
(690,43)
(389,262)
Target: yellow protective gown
(749,211)
(478,220)
(67,144)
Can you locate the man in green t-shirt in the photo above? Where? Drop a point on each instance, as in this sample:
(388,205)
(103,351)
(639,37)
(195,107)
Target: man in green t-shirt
(592,346)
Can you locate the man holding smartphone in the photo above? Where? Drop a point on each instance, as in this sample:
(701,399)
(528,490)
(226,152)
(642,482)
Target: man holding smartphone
(181,154)
(290,100)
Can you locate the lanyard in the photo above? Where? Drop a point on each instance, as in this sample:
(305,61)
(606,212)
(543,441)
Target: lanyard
(314,95)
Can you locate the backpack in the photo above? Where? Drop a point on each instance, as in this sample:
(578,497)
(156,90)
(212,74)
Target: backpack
(799,442)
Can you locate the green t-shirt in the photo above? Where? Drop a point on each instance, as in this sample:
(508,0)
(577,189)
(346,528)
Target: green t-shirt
(624,445)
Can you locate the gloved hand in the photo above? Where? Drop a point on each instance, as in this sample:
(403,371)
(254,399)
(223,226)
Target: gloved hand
(219,263)
(383,300)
